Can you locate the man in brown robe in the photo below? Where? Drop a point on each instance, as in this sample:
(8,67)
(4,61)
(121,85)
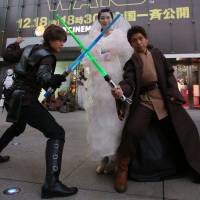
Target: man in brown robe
(150,79)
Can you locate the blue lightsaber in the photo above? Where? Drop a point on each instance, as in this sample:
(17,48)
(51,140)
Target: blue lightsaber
(73,65)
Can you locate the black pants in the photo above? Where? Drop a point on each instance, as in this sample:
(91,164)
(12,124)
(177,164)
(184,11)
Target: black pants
(137,126)
(38,117)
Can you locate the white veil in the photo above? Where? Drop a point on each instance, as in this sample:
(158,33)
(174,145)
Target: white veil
(120,28)
(121,24)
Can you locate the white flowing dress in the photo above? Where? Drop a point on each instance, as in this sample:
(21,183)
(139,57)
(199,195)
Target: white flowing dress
(105,128)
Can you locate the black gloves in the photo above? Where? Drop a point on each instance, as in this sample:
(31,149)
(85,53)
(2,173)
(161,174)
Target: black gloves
(56,80)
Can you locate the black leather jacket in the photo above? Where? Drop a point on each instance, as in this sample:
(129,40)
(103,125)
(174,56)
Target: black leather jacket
(36,65)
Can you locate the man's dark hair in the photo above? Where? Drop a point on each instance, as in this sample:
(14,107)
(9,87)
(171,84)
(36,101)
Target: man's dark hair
(136,29)
(53,33)
(103,11)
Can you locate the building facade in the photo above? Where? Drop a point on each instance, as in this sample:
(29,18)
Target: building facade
(172,25)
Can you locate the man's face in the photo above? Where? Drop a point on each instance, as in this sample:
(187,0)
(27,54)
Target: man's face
(56,45)
(139,43)
(105,19)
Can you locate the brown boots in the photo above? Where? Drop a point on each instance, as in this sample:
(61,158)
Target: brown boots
(121,175)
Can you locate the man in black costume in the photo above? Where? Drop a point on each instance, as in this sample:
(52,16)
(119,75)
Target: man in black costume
(35,70)
(155,93)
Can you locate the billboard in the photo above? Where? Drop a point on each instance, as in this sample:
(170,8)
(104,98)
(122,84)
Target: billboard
(172,25)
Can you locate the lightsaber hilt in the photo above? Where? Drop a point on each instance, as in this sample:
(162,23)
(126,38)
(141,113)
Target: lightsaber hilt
(49,92)
(113,85)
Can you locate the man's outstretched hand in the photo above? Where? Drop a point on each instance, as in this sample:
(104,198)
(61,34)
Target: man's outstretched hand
(56,80)
(117,92)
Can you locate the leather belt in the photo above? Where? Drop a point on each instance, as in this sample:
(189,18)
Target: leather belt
(151,86)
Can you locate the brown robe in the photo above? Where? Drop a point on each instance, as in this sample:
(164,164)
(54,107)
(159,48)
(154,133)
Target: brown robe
(183,125)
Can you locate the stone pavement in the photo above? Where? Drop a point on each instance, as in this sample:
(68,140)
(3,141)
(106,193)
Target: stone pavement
(26,168)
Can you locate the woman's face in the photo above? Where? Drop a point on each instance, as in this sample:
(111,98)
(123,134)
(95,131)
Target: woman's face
(105,19)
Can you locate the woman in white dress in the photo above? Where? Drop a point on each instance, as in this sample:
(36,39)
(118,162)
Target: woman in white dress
(112,51)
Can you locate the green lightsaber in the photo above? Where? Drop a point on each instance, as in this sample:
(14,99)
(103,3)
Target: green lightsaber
(92,59)
(97,65)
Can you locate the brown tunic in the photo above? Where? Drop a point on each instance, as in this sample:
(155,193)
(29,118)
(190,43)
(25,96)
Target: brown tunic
(151,99)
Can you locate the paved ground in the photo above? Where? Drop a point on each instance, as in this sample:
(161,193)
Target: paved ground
(27,167)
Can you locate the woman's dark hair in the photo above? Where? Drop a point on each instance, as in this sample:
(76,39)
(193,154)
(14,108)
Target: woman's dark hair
(103,11)
(54,32)
(136,29)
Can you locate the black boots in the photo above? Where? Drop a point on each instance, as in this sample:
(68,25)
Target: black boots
(52,186)
(195,176)
(4,159)
(4,140)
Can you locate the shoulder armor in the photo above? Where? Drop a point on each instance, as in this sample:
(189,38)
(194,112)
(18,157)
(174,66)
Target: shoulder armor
(21,66)
(39,54)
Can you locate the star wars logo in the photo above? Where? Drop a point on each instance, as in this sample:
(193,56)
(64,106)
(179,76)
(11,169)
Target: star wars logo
(79,4)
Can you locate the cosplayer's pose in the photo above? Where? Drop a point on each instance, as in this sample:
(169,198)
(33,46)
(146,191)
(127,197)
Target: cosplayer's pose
(155,93)
(111,52)
(35,70)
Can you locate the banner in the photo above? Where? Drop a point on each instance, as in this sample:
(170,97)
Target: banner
(173,26)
